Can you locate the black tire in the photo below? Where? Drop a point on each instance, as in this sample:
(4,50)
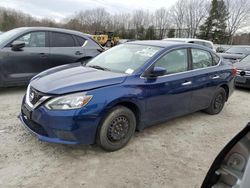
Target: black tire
(116,129)
(218,102)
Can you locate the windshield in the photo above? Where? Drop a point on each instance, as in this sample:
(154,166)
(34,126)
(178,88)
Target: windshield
(246,59)
(238,50)
(9,34)
(125,58)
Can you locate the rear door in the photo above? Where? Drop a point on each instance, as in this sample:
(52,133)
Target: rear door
(21,66)
(170,95)
(206,77)
(64,49)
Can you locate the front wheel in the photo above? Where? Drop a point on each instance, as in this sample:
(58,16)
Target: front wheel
(218,102)
(116,129)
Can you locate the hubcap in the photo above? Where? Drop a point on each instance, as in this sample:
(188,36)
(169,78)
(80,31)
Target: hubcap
(118,128)
(218,101)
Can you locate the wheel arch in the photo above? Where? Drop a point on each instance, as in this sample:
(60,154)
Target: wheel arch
(226,88)
(133,106)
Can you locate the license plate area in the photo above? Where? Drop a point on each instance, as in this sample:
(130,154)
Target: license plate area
(240,79)
(26,111)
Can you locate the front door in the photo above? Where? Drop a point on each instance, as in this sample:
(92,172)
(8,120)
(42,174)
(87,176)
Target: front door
(20,66)
(169,95)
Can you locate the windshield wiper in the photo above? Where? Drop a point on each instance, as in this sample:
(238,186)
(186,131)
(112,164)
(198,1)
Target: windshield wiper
(99,67)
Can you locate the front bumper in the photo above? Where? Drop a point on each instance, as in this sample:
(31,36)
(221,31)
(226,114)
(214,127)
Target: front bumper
(242,81)
(63,127)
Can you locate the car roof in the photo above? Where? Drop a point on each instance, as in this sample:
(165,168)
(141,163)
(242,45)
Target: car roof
(188,39)
(54,29)
(166,44)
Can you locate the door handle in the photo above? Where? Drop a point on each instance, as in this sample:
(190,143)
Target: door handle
(78,53)
(215,77)
(186,83)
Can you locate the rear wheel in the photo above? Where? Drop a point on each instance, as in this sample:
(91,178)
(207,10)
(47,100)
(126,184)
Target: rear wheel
(218,102)
(116,129)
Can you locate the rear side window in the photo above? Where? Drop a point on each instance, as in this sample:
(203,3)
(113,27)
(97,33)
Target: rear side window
(61,40)
(201,58)
(80,40)
(174,62)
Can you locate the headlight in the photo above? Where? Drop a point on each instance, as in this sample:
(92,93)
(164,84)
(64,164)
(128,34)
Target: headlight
(67,102)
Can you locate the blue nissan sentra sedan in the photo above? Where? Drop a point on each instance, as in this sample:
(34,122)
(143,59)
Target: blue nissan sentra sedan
(126,88)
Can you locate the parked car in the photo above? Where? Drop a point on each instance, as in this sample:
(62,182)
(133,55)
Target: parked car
(201,42)
(26,51)
(127,88)
(231,168)
(236,53)
(221,48)
(122,41)
(243,73)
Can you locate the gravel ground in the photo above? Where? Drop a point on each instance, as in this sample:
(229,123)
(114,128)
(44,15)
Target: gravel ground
(177,153)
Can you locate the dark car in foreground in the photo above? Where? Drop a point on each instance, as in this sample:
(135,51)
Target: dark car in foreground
(126,88)
(243,72)
(231,168)
(236,53)
(27,51)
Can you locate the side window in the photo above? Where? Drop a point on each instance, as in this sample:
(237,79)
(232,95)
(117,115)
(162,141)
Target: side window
(216,59)
(175,61)
(201,58)
(61,40)
(33,39)
(80,40)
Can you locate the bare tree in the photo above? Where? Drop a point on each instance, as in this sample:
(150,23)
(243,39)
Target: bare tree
(239,12)
(178,15)
(162,21)
(196,11)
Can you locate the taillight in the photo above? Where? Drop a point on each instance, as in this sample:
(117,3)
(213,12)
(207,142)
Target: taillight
(234,71)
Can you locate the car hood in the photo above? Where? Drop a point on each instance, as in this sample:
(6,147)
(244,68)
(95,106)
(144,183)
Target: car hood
(242,66)
(232,56)
(73,78)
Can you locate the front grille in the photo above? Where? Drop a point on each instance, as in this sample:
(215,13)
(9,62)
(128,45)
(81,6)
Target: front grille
(246,84)
(34,96)
(35,127)
(243,73)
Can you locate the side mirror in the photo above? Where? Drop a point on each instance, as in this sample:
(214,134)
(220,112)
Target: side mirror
(157,71)
(231,168)
(17,45)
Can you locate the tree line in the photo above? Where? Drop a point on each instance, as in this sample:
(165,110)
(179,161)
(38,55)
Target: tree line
(216,20)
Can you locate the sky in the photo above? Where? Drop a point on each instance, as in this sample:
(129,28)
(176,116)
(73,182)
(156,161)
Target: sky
(59,9)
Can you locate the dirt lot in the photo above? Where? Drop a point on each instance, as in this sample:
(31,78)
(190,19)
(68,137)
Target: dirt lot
(177,153)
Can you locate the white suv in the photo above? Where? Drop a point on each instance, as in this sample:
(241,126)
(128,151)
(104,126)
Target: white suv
(206,43)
